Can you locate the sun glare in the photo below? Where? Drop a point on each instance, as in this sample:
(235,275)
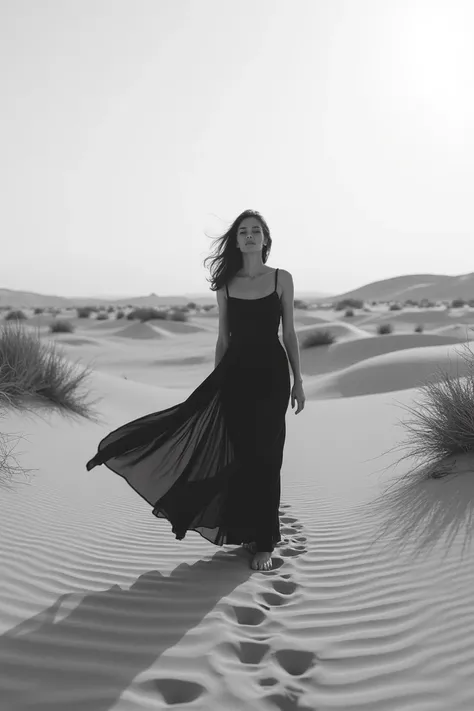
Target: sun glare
(436,60)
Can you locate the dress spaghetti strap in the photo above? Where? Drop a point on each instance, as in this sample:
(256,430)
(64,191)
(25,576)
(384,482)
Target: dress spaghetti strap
(276,279)
(227,291)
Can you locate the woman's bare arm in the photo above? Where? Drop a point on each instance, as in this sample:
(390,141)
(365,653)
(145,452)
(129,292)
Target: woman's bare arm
(290,338)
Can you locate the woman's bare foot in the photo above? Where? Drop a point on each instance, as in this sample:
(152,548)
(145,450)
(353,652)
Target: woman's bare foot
(262,561)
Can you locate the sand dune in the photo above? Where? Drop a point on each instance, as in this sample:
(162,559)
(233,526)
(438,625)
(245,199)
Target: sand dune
(176,326)
(101,607)
(428,317)
(73,340)
(368,606)
(93,323)
(139,331)
(397,370)
(184,360)
(324,359)
(460,330)
(180,361)
(306,318)
(336,328)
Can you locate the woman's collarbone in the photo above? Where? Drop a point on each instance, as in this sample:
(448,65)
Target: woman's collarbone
(248,293)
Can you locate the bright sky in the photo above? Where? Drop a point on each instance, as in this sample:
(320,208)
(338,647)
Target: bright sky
(131,128)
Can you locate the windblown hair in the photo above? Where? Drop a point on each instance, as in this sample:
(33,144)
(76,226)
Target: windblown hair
(226,259)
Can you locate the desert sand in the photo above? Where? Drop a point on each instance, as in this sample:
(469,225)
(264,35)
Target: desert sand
(369,605)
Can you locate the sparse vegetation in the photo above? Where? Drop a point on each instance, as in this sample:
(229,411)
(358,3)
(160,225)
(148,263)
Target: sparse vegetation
(457,303)
(384,328)
(7,469)
(419,328)
(179,315)
(84,311)
(61,326)
(146,314)
(395,307)
(15,316)
(349,313)
(300,304)
(30,368)
(348,303)
(102,316)
(442,425)
(318,338)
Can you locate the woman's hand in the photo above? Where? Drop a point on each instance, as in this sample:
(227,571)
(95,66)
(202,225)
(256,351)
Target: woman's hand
(297,393)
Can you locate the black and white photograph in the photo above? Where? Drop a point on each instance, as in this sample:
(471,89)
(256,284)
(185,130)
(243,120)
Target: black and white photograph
(236,362)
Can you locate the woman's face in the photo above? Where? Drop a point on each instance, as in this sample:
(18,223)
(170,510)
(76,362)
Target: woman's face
(250,235)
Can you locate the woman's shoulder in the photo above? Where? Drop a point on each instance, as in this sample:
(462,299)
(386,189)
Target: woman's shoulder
(285,274)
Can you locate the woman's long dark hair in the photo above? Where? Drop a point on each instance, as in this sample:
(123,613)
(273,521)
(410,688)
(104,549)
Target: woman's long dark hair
(226,259)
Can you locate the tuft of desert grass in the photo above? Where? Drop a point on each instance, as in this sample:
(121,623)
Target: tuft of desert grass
(384,328)
(33,369)
(61,326)
(318,338)
(441,425)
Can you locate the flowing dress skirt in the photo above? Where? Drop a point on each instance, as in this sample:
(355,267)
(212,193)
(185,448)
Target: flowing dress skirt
(212,463)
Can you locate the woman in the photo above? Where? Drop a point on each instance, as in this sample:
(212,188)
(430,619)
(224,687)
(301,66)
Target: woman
(212,463)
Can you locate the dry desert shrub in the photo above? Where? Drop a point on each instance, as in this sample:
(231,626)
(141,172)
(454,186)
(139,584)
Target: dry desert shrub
(318,338)
(61,326)
(442,422)
(348,303)
(84,311)
(149,314)
(31,368)
(178,316)
(15,316)
(146,314)
(9,467)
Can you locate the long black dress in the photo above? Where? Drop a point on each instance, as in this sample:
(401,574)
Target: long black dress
(212,463)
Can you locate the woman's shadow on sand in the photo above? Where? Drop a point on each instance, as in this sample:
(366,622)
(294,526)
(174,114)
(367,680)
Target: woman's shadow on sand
(84,655)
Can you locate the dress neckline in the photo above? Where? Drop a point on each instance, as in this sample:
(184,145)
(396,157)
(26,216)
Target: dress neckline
(260,298)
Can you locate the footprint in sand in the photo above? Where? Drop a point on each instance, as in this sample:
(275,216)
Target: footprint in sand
(296,662)
(282,589)
(292,662)
(174,691)
(268,681)
(252,652)
(248,615)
